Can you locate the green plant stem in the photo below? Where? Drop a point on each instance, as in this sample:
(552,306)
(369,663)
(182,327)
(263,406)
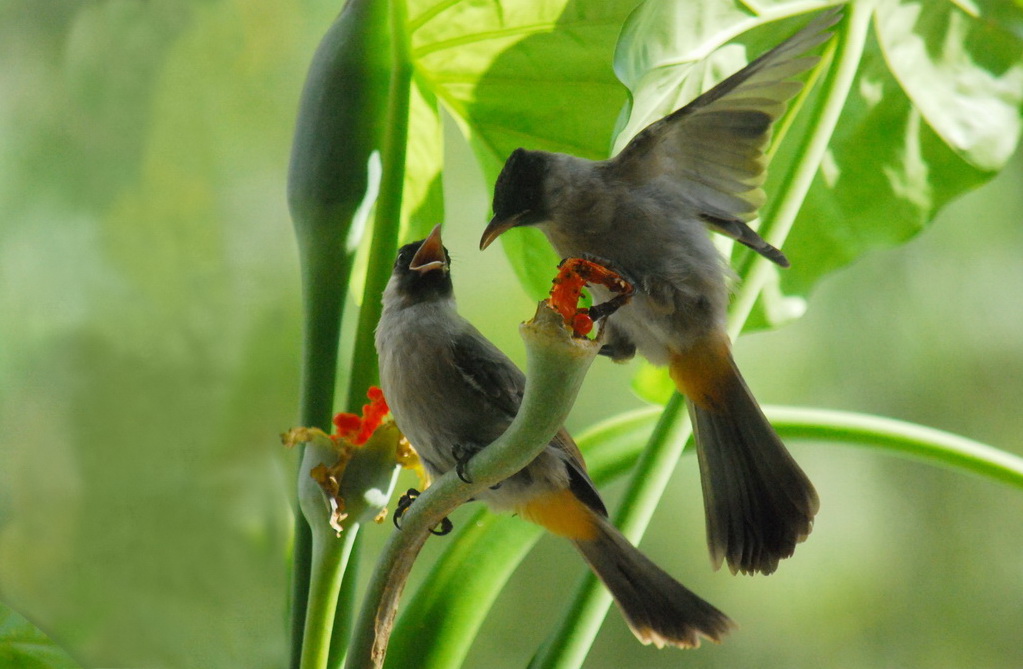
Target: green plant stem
(569,645)
(337,131)
(346,600)
(325,283)
(330,558)
(556,364)
(852,37)
(328,619)
(899,437)
(387,219)
(438,625)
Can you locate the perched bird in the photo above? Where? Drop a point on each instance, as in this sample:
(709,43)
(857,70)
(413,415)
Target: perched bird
(645,213)
(452,392)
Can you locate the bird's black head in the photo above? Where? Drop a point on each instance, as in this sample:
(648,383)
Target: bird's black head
(422,269)
(519,187)
(519,193)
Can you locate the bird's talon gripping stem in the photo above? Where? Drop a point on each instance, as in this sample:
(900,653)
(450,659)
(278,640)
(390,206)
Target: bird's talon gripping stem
(405,501)
(462,457)
(445,528)
(460,470)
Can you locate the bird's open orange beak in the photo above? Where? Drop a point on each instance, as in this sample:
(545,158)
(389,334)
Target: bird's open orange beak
(430,255)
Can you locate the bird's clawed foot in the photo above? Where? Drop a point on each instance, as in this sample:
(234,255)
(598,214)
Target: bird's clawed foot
(405,501)
(462,457)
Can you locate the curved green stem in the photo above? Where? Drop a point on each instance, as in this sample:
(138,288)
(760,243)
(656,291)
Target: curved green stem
(899,437)
(556,366)
(851,39)
(571,642)
(439,624)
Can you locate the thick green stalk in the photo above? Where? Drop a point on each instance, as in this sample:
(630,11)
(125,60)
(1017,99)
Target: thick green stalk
(387,220)
(337,131)
(568,647)
(323,308)
(556,364)
(386,223)
(438,625)
(330,559)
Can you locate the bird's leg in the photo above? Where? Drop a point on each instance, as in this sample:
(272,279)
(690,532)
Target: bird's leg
(405,501)
(605,309)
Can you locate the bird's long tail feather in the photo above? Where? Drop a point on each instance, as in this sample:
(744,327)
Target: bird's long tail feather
(759,503)
(657,608)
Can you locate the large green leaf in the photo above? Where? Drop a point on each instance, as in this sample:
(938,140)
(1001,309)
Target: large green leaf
(935,111)
(522,74)
(24,646)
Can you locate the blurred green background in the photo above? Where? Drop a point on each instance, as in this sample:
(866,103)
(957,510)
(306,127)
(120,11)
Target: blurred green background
(149,351)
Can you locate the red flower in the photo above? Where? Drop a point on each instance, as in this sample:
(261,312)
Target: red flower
(357,430)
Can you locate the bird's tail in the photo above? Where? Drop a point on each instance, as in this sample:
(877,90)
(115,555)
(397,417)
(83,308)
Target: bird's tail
(759,503)
(657,608)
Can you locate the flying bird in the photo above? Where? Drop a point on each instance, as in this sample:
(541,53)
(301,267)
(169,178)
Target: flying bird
(646,213)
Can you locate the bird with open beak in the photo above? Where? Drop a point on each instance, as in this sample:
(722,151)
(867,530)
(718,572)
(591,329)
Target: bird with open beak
(452,392)
(646,214)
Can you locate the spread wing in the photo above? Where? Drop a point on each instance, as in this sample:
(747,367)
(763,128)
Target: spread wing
(713,148)
(490,372)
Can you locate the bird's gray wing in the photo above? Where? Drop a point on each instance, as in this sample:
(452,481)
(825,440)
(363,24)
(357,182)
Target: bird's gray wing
(497,379)
(713,148)
(578,479)
(482,365)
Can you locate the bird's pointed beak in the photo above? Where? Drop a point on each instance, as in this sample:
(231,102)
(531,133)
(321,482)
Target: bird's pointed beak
(430,255)
(497,227)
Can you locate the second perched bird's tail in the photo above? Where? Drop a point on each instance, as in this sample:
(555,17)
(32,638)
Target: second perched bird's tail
(657,608)
(759,503)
